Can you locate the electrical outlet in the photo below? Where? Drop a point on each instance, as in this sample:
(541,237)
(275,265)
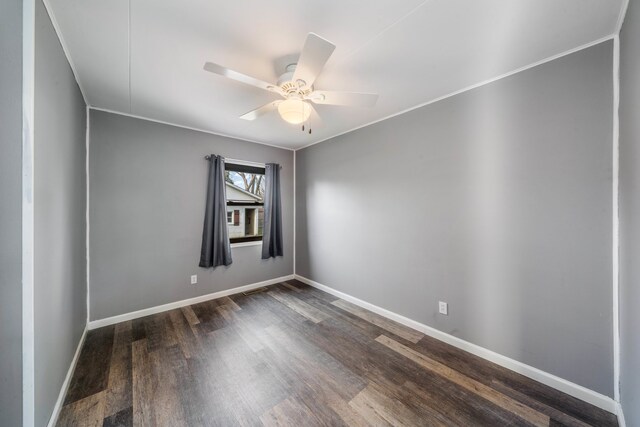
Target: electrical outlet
(194,279)
(443,308)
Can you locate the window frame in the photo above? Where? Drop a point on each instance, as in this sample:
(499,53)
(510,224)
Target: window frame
(239,167)
(232,212)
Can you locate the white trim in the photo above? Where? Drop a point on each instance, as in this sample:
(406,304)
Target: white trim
(173,305)
(87,217)
(130,114)
(65,49)
(536,374)
(466,89)
(620,414)
(243,244)
(28,158)
(616,219)
(67,380)
(135,116)
(623,13)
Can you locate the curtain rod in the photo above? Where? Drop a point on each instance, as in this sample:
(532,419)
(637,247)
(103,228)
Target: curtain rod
(240,162)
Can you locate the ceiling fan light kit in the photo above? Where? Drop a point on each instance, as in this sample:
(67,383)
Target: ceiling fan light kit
(294,111)
(295,85)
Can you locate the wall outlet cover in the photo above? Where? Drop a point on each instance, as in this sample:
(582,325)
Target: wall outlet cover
(443,307)
(194,279)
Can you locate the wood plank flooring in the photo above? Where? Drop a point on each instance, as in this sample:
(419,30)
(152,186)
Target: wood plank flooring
(296,356)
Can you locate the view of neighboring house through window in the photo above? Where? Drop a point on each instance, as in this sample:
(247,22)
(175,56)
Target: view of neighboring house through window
(245,193)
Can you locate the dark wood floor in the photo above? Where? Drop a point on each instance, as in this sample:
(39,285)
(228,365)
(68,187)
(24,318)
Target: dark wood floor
(296,356)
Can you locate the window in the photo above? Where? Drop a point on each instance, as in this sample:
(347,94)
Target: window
(245,192)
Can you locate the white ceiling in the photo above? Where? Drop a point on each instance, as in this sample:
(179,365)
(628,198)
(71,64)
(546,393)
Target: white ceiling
(145,57)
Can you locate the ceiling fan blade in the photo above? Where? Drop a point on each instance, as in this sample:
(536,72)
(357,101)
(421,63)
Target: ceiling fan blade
(243,78)
(314,119)
(267,108)
(350,99)
(315,54)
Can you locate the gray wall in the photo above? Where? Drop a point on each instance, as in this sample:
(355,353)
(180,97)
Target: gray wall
(497,200)
(59,216)
(11,212)
(147,196)
(630,214)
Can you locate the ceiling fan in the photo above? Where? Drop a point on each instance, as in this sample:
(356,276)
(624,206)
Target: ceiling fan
(295,86)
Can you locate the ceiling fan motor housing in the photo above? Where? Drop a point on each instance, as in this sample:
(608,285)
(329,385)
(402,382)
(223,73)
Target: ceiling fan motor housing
(293,90)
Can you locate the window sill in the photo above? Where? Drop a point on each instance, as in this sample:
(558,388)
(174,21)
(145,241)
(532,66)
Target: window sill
(241,244)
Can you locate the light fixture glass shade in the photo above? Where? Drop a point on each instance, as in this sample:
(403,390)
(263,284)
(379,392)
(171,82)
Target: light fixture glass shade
(294,111)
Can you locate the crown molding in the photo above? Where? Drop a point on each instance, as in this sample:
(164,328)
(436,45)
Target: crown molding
(65,49)
(149,119)
(623,14)
(468,88)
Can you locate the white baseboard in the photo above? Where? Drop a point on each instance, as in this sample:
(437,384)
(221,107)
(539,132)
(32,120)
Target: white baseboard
(94,324)
(620,414)
(572,389)
(65,385)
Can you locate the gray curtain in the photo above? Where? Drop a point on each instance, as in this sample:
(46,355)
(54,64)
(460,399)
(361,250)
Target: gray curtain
(272,231)
(216,249)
